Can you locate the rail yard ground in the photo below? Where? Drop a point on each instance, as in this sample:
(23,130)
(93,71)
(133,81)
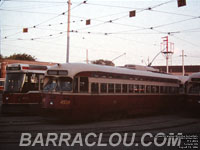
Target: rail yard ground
(39,132)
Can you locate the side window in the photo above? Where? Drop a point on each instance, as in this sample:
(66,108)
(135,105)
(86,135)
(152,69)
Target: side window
(167,89)
(162,89)
(148,89)
(157,89)
(94,87)
(118,88)
(124,88)
(83,84)
(153,89)
(176,90)
(110,88)
(103,88)
(130,88)
(31,83)
(172,90)
(142,88)
(136,88)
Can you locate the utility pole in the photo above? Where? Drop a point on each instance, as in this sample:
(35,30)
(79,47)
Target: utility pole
(0,40)
(68,31)
(1,3)
(183,68)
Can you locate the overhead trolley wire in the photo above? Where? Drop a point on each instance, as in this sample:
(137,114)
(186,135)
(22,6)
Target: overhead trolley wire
(191,43)
(45,21)
(34,1)
(118,18)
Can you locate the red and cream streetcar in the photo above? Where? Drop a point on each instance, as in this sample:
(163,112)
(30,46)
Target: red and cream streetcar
(193,92)
(85,91)
(22,88)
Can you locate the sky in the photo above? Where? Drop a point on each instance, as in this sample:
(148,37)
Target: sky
(111,32)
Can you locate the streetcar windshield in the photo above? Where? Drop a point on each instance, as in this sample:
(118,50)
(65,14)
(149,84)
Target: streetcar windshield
(14,82)
(58,84)
(65,84)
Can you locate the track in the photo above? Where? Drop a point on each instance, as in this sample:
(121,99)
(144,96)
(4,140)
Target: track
(12,127)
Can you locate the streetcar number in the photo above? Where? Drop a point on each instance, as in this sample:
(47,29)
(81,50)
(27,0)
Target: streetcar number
(65,102)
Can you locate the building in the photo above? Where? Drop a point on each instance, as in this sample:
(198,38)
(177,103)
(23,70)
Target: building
(178,70)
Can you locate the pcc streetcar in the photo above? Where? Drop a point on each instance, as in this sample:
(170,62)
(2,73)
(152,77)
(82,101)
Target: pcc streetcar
(193,92)
(78,91)
(22,88)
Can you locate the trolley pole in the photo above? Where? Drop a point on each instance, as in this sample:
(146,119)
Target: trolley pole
(68,31)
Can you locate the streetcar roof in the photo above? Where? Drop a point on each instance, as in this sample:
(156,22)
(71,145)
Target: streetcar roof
(74,68)
(26,68)
(183,79)
(194,76)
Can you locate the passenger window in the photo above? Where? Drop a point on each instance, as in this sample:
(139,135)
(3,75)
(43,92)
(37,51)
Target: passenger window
(142,88)
(136,88)
(161,89)
(83,84)
(124,88)
(148,89)
(157,89)
(172,90)
(177,90)
(167,89)
(95,88)
(103,88)
(111,88)
(131,88)
(118,88)
(153,89)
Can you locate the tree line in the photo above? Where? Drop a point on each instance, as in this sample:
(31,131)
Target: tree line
(28,57)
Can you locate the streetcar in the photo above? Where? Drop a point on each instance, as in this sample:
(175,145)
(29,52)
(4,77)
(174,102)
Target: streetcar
(81,92)
(2,80)
(22,88)
(193,92)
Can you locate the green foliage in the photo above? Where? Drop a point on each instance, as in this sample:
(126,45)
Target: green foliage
(1,57)
(103,62)
(21,57)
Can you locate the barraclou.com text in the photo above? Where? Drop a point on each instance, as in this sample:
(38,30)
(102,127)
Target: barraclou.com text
(93,139)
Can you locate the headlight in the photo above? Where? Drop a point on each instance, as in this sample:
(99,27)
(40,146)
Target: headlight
(51,103)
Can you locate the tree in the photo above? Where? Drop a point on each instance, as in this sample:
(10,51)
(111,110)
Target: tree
(103,62)
(21,57)
(1,56)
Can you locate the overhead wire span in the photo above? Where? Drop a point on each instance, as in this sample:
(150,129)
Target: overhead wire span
(25,7)
(32,12)
(187,41)
(171,13)
(176,22)
(118,18)
(34,1)
(45,21)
